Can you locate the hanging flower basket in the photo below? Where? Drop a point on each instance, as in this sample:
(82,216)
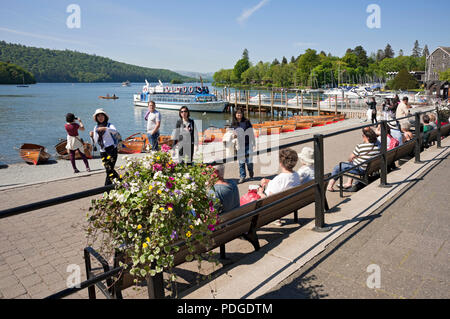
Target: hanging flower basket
(156,203)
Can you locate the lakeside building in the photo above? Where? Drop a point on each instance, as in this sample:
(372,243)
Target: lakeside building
(438,61)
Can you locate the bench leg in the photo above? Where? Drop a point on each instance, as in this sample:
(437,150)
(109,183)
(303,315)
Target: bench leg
(296,216)
(253,239)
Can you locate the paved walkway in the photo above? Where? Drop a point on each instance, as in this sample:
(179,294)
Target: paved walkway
(407,238)
(37,247)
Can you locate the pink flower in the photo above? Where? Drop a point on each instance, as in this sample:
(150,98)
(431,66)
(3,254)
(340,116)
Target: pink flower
(165,148)
(157,167)
(211,227)
(169,185)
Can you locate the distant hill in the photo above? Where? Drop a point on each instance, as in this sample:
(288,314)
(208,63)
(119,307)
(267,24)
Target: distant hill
(207,77)
(72,66)
(13,74)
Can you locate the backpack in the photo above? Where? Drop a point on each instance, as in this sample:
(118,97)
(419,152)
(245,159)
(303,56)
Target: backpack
(117,138)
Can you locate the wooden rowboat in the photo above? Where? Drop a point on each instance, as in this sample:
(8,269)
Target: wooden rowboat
(165,139)
(108,97)
(303,125)
(288,128)
(134,144)
(33,153)
(64,154)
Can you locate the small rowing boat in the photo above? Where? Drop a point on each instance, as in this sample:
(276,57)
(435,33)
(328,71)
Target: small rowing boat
(33,153)
(134,144)
(108,97)
(64,154)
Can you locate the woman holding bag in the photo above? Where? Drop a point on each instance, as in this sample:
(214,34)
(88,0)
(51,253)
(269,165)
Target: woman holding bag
(74,142)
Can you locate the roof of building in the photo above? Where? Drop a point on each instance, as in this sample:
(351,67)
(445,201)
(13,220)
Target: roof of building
(445,49)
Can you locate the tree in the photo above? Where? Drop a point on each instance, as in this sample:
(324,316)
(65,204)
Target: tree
(240,67)
(292,59)
(425,52)
(388,52)
(380,55)
(400,53)
(245,55)
(275,62)
(284,61)
(416,51)
(444,75)
(361,55)
(403,81)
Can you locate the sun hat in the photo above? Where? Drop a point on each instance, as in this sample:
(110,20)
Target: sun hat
(99,111)
(307,155)
(393,125)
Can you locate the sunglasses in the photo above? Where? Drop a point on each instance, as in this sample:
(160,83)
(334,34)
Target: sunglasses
(183,111)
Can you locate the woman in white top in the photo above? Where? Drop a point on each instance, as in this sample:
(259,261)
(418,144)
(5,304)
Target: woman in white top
(288,178)
(104,135)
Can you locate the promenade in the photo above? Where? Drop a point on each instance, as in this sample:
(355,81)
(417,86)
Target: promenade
(37,247)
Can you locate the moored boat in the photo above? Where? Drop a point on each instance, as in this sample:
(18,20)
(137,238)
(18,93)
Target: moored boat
(195,98)
(64,154)
(33,153)
(108,97)
(134,144)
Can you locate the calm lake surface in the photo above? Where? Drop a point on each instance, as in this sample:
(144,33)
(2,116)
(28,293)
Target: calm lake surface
(36,114)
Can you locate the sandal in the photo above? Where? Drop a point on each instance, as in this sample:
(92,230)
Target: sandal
(331,190)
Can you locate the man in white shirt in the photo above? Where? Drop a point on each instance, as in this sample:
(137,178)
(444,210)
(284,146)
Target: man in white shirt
(153,118)
(403,109)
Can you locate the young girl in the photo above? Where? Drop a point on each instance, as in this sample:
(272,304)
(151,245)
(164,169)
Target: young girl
(103,135)
(74,142)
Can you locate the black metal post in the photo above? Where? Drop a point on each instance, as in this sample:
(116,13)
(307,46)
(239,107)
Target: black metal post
(87,262)
(155,286)
(383,177)
(418,139)
(438,137)
(318,178)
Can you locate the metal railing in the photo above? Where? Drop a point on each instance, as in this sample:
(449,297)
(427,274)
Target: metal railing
(318,184)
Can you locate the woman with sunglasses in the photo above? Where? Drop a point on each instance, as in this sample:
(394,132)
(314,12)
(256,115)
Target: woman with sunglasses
(185,136)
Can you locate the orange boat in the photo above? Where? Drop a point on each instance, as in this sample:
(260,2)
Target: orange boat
(288,128)
(165,139)
(33,153)
(64,154)
(319,123)
(303,125)
(108,97)
(134,144)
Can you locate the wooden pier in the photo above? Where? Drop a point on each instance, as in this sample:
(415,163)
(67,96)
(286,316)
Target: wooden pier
(301,104)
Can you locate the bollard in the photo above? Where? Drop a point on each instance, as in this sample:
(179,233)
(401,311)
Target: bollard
(418,139)
(383,177)
(318,178)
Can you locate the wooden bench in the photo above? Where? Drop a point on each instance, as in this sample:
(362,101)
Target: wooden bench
(374,164)
(240,222)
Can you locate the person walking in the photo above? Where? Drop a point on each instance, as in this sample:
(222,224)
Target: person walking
(104,135)
(153,118)
(246,142)
(373,108)
(185,136)
(74,143)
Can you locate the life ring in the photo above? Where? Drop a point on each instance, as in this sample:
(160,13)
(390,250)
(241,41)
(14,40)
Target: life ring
(184,89)
(198,89)
(145,89)
(191,89)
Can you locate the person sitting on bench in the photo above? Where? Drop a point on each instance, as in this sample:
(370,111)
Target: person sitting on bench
(361,153)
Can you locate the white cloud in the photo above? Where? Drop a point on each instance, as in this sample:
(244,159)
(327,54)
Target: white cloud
(247,13)
(41,36)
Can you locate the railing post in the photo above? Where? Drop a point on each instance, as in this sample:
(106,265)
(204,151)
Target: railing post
(319,192)
(87,261)
(418,138)
(155,286)
(383,177)
(438,136)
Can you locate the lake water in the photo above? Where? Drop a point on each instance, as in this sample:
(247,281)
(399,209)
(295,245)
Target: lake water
(36,114)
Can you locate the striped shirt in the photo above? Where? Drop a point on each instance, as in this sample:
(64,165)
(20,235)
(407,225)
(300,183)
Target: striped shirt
(364,152)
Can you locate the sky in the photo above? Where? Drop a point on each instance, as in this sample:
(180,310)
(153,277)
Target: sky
(205,36)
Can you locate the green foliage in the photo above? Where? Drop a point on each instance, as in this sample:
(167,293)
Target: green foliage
(71,66)
(316,70)
(404,81)
(444,75)
(240,67)
(13,74)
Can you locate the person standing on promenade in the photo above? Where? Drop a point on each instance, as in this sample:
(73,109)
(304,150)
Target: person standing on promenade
(403,110)
(185,136)
(243,130)
(373,107)
(74,142)
(153,118)
(104,135)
